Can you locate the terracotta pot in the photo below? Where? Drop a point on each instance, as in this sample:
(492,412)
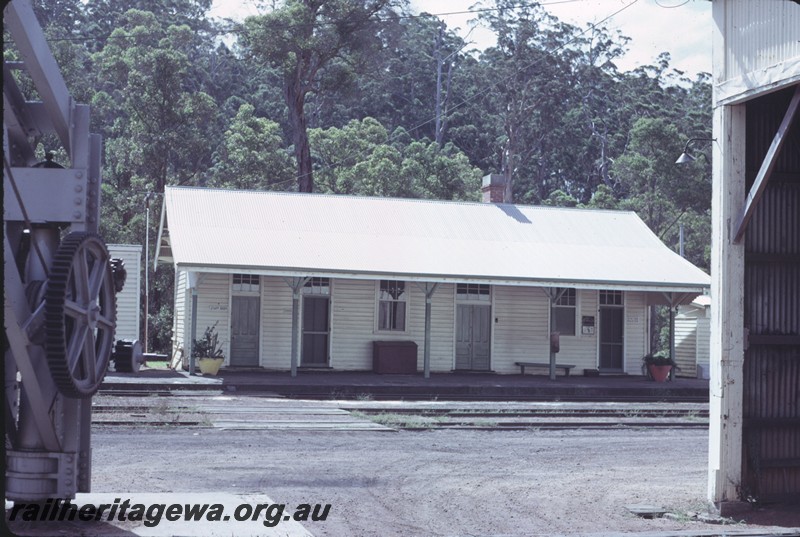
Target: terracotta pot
(210,366)
(659,372)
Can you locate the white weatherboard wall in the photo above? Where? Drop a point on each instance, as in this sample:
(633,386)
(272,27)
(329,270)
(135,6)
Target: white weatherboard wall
(353,325)
(692,340)
(635,332)
(128,299)
(353,319)
(213,308)
(580,350)
(520,318)
(182,310)
(704,344)
(276,323)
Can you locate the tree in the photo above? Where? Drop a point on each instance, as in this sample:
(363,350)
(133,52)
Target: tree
(253,155)
(105,16)
(665,195)
(312,43)
(361,159)
(528,77)
(157,131)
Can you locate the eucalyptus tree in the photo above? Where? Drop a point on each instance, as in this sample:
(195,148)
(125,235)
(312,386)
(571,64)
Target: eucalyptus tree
(105,16)
(528,77)
(397,85)
(157,130)
(665,195)
(313,44)
(593,130)
(361,158)
(253,155)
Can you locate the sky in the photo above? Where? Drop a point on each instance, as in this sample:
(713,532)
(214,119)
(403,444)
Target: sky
(681,27)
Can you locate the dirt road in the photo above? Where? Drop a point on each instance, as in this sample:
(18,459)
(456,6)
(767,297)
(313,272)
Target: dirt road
(435,482)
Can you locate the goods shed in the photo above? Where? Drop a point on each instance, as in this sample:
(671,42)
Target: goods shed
(754,443)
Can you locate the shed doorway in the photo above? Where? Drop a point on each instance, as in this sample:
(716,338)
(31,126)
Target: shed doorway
(612,331)
(473,337)
(244,330)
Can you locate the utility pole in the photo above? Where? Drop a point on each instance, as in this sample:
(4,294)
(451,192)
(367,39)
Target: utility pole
(146,268)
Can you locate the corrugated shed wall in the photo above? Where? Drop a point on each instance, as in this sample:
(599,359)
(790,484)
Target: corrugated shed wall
(771,406)
(755,40)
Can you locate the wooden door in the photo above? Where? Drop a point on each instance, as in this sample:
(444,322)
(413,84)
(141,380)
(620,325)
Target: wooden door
(316,330)
(473,337)
(612,337)
(244,330)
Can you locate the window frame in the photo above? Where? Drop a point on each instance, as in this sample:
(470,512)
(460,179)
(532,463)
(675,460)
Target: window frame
(479,293)
(406,299)
(317,286)
(604,294)
(571,295)
(243,287)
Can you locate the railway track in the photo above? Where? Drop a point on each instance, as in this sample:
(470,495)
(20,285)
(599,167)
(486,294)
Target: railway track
(405,396)
(237,412)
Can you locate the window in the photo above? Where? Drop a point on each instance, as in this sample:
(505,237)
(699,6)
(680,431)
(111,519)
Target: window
(392,302)
(565,312)
(245,283)
(611,298)
(478,292)
(317,286)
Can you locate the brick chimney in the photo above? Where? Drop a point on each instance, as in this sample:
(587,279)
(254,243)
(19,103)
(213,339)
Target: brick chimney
(493,188)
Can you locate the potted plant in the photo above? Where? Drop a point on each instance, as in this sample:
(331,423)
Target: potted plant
(208,351)
(658,366)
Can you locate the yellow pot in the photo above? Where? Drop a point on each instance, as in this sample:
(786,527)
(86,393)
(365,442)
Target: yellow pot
(210,366)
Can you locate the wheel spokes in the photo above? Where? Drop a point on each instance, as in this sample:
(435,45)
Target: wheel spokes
(80,314)
(89,359)
(75,310)
(80,277)
(97,278)
(75,347)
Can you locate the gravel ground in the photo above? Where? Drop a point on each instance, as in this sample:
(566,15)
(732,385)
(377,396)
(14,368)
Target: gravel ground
(438,482)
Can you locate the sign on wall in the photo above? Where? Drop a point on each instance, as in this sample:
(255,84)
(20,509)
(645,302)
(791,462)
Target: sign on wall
(587,325)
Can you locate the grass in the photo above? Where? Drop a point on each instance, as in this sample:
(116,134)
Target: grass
(157,364)
(399,421)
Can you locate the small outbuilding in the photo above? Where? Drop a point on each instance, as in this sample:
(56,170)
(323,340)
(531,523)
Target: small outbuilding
(693,337)
(129,299)
(294,280)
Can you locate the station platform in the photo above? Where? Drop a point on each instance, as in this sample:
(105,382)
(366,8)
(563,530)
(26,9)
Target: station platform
(316,384)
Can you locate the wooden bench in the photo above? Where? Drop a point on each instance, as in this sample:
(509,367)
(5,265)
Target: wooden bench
(523,365)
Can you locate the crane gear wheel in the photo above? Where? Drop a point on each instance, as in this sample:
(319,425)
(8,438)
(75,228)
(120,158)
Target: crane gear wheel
(80,314)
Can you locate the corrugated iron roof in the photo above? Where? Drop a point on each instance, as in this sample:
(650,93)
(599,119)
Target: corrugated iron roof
(351,236)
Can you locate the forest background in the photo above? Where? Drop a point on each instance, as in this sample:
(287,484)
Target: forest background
(365,97)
